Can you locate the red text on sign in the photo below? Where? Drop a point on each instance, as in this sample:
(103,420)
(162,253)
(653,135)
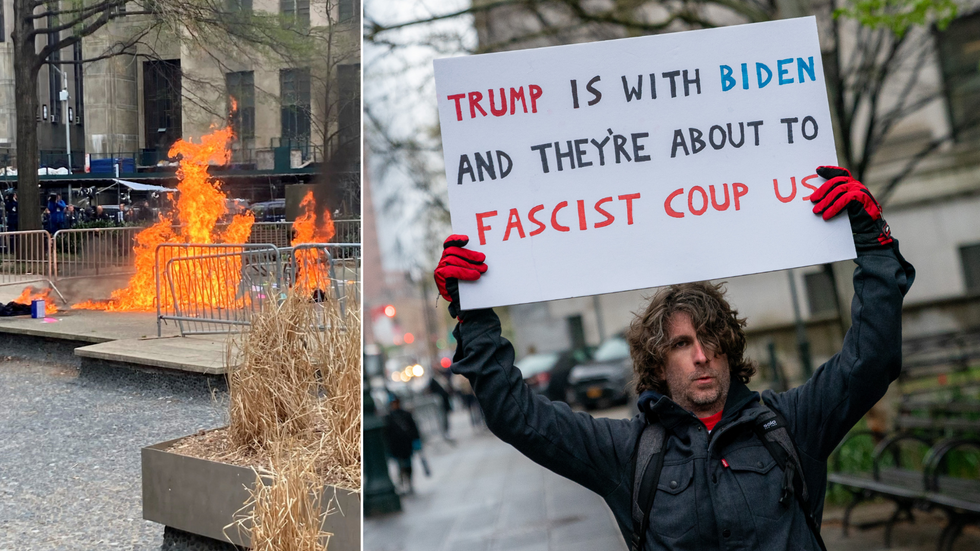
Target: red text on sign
(792,190)
(497,101)
(538,219)
(698,200)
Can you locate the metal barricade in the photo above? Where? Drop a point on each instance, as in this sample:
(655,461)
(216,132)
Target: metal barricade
(214,288)
(25,257)
(346,231)
(325,270)
(94,252)
(279,234)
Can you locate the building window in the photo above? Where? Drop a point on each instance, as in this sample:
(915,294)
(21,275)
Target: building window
(294,94)
(349,110)
(970,258)
(3,26)
(820,293)
(959,55)
(241,89)
(161,103)
(240,5)
(295,13)
(346,10)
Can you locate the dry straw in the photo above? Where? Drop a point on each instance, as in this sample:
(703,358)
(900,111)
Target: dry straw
(286,505)
(296,381)
(295,403)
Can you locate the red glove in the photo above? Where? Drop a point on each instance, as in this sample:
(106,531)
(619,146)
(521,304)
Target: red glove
(457,263)
(841,191)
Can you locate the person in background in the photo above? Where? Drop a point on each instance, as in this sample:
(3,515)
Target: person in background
(145,212)
(11,206)
(403,439)
(56,213)
(71,217)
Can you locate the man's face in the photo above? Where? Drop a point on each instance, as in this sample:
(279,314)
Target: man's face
(698,378)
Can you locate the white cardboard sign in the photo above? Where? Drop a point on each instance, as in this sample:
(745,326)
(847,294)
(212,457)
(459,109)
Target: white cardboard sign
(634,163)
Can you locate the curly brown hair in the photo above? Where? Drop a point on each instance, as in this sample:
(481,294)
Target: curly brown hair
(717,325)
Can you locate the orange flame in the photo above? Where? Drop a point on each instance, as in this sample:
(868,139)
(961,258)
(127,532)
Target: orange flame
(305,227)
(200,206)
(311,272)
(29,294)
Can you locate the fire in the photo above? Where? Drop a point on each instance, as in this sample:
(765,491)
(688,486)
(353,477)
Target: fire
(30,294)
(305,227)
(311,272)
(200,206)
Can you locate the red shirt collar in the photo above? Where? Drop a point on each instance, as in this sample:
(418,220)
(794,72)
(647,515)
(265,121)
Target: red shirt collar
(711,421)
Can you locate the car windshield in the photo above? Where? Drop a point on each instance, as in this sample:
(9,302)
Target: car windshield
(612,349)
(536,363)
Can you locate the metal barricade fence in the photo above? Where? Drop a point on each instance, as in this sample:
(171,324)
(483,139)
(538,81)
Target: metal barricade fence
(346,231)
(322,268)
(214,288)
(94,252)
(25,257)
(279,234)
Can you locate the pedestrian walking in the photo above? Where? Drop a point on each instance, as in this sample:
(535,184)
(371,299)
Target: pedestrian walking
(403,439)
(707,463)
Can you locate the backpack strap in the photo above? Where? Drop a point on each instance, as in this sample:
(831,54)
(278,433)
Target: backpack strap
(648,461)
(770,427)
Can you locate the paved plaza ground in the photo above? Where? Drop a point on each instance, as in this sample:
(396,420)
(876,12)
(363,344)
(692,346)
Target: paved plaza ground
(70,447)
(485,496)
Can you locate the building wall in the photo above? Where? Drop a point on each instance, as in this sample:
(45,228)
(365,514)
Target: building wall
(51,135)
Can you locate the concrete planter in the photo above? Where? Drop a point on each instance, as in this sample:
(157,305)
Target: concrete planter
(200,496)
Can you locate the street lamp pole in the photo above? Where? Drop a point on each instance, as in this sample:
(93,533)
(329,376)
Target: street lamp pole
(64,98)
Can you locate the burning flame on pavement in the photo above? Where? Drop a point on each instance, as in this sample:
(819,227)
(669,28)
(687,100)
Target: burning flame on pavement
(30,294)
(312,271)
(200,205)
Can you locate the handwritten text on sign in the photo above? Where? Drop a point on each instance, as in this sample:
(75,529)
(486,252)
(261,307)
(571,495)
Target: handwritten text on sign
(634,163)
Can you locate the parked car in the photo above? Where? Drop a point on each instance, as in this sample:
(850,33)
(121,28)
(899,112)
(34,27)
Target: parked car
(547,373)
(605,380)
(270,211)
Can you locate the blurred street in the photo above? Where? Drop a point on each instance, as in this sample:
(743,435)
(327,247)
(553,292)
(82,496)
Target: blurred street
(483,495)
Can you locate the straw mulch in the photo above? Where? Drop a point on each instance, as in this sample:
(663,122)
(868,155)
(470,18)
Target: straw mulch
(287,505)
(294,382)
(295,418)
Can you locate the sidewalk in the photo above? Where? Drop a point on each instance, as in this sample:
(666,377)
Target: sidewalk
(485,496)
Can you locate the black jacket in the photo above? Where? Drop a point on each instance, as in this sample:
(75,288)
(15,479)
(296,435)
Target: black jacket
(400,432)
(700,503)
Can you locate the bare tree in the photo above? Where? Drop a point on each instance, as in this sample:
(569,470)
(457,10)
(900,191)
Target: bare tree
(215,29)
(67,24)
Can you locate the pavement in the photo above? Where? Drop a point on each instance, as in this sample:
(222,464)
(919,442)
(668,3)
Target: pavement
(126,338)
(483,495)
(70,444)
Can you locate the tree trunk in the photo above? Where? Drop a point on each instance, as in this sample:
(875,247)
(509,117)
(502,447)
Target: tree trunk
(26,67)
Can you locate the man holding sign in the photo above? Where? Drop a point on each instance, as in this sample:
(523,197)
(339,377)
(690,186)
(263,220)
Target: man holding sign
(707,464)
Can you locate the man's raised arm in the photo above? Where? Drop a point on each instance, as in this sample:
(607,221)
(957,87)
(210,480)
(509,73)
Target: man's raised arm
(842,390)
(592,452)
